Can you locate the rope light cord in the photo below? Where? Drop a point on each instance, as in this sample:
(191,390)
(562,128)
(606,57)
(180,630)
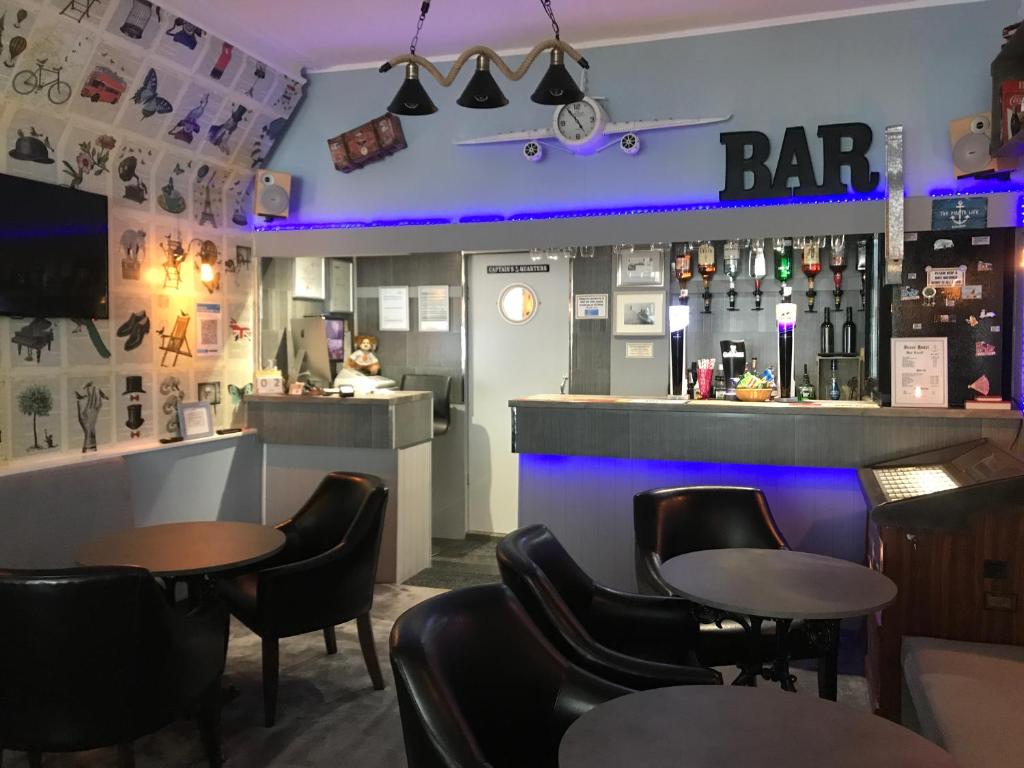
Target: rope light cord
(490,53)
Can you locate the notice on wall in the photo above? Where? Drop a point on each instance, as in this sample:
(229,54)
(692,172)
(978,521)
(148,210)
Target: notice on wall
(638,350)
(209,333)
(309,278)
(433,308)
(518,269)
(592,306)
(920,376)
(394,307)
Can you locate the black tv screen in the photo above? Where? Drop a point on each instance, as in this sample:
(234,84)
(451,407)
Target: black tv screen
(53,251)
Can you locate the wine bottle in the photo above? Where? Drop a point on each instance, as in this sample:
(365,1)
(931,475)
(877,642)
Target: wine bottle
(828,339)
(849,334)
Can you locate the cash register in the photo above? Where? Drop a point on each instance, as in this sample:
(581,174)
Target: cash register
(948,527)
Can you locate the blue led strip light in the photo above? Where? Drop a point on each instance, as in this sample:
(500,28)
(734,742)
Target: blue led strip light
(581,213)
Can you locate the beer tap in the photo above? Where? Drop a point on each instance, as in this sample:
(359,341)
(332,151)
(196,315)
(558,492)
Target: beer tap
(810,263)
(684,270)
(731,262)
(862,267)
(783,253)
(706,267)
(757,268)
(838,264)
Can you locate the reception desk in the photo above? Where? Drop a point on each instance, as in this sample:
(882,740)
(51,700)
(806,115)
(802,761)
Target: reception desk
(581,459)
(386,434)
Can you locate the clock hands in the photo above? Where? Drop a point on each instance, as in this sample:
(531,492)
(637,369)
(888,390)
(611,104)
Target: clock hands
(576,119)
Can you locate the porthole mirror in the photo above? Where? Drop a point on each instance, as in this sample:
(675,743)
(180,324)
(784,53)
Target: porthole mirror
(518,304)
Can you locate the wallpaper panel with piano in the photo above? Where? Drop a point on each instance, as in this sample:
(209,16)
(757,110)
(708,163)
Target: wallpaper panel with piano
(126,99)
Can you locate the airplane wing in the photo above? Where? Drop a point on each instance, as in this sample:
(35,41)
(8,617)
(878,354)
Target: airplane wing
(502,138)
(636,126)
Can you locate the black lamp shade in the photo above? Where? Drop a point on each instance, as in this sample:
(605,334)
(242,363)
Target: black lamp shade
(412,98)
(482,92)
(557,85)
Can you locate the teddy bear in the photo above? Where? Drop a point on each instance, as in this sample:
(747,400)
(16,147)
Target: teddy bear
(362,358)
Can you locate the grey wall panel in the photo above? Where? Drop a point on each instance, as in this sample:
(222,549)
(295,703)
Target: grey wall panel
(591,348)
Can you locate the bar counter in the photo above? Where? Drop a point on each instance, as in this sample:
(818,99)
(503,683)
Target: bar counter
(811,434)
(582,458)
(387,434)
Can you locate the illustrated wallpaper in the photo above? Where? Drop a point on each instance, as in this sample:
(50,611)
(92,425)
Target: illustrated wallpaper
(123,98)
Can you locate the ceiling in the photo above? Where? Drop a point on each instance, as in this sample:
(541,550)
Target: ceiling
(324,34)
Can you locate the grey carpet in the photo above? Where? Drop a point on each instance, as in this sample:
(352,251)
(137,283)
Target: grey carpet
(328,713)
(457,563)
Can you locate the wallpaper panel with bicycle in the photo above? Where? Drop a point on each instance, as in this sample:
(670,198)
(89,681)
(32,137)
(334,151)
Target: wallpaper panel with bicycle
(123,98)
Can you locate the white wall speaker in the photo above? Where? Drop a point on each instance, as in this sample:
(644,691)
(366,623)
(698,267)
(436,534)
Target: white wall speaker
(273,194)
(970,138)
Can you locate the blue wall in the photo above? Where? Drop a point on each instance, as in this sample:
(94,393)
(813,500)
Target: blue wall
(920,68)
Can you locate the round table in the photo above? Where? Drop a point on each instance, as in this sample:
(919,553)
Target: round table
(710,726)
(752,585)
(178,550)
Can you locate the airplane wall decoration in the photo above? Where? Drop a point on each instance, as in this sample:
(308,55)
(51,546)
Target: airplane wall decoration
(583,128)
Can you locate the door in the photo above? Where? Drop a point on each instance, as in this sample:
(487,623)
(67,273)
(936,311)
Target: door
(524,353)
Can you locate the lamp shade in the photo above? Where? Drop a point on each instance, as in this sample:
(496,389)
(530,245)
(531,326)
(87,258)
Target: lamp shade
(412,98)
(557,85)
(482,92)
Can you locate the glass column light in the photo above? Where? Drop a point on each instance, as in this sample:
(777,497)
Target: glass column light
(731,264)
(757,268)
(706,267)
(678,320)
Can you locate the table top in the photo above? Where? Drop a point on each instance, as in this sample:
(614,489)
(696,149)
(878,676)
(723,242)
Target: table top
(710,726)
(778,583)
(185,549)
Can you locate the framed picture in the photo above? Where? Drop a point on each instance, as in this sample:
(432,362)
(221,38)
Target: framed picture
(920,372)
(640,314)
(394,307)
(195,420)
(309,278)
(640,268)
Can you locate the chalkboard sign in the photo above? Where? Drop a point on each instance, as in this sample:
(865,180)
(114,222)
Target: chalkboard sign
(959,286)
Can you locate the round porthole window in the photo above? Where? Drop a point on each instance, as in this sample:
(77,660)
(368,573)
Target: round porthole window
(518,304)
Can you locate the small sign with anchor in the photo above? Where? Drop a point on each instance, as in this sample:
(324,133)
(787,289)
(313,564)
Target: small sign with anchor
(959,213)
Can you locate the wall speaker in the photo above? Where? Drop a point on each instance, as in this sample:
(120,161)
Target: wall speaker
(273,194)
(970,139)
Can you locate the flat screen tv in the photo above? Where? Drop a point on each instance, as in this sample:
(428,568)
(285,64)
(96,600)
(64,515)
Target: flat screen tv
(53,251)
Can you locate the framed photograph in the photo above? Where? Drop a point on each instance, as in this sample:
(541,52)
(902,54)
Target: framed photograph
(309,278)
(195,420)
(640,314)
(640,268)
(920,372)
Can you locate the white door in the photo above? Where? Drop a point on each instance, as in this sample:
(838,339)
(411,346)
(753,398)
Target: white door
(509,360)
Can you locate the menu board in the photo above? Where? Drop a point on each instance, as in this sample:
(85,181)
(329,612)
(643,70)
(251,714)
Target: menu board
(919,373)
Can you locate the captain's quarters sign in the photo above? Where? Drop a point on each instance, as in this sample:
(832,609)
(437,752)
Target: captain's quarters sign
(748,175)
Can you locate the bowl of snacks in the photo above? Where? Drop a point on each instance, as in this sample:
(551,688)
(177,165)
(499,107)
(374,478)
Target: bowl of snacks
(753,389)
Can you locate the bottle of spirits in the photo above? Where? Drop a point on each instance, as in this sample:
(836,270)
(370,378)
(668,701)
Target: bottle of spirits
(706,267)
(810,263)
(833,387)
(849,334)
(720,383)
(684,271)
(805,390)
(828,338)
(783,263)
(837,263)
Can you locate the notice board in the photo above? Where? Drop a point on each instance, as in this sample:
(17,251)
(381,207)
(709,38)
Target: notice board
(959,285)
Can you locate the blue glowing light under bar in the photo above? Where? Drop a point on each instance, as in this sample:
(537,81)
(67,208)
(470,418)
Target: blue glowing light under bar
(582,213)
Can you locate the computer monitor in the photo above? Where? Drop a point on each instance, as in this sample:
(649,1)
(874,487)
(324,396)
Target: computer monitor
(308,353)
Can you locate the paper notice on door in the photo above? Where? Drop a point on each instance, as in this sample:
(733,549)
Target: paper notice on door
(209,332)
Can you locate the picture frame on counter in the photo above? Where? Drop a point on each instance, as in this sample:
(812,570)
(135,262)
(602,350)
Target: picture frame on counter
(640,314)
(195,420)
(640,268)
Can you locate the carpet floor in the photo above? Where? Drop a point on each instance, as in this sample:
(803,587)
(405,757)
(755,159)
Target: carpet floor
(327,714)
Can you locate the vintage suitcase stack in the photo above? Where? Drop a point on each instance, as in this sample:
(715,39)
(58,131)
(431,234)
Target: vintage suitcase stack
(368,143)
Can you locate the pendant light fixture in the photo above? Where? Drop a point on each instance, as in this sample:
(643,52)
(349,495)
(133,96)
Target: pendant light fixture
(482,92)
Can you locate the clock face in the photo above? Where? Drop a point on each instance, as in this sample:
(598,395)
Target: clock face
(577,123)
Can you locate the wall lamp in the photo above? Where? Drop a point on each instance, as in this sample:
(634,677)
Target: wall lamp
(556,87)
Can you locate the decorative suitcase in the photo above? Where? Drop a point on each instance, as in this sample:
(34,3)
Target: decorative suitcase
(370,142)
